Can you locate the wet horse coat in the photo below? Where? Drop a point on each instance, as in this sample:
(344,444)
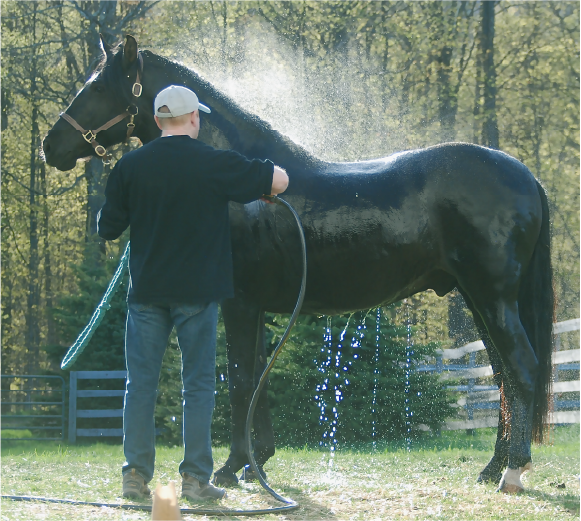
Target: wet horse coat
(452,215)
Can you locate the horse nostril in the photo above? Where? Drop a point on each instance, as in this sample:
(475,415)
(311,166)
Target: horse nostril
(46,146)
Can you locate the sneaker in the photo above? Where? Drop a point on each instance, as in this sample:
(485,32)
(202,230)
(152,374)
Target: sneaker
(194,490)
(134,486)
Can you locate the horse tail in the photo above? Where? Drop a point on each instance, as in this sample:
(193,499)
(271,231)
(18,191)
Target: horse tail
(537,311)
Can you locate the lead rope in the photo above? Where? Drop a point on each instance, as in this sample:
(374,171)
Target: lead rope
(77,348)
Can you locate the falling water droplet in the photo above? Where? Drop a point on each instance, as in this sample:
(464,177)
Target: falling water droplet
(408,354)
(376,372)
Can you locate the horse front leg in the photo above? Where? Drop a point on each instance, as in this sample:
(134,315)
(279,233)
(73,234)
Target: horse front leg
(264,446)
(244,325)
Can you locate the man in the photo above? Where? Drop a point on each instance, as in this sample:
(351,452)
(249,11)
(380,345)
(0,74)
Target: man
(174,193)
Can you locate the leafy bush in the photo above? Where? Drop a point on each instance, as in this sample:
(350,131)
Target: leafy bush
(346,380)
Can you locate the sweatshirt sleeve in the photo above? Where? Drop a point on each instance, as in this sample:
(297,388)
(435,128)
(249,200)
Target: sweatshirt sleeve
(113,218)
(240,179)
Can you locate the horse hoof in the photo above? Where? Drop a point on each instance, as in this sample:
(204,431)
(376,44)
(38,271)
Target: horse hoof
(248,474)
(486,477)
(225,478)
(510,489)
(511,482)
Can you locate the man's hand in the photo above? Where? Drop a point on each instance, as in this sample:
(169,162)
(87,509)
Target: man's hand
(279,181)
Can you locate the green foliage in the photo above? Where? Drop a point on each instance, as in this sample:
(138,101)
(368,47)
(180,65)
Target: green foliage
(345,378)
(168,409)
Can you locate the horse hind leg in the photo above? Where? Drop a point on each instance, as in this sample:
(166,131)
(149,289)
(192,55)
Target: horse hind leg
(520,446)
(502,321)
(492,473)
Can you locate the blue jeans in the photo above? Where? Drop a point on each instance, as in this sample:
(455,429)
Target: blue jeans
(147,332)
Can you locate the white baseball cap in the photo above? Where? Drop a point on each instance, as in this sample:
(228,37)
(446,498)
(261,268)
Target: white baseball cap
(179,100)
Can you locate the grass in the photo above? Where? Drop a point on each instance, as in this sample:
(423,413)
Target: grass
(435,480)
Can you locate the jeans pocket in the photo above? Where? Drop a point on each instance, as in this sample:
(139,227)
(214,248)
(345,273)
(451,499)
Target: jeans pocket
(189,310)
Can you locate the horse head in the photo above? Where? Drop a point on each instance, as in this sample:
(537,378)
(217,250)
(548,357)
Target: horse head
(111,106)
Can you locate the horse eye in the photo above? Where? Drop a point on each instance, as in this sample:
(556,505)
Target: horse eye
(98,87)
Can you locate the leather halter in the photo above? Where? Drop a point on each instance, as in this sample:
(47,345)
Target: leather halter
(90,136)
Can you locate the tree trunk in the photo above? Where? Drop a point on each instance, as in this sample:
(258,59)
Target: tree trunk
(448,102)
(476,122)
(5,300)
(32,335)
(48,291)
(490,136)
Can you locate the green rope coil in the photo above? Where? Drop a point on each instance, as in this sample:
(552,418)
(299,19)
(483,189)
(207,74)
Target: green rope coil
(83,339)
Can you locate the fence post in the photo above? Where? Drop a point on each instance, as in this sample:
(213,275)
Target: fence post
(73,407)
(557,348)
(471,382)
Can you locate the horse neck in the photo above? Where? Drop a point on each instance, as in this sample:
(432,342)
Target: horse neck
(228,125)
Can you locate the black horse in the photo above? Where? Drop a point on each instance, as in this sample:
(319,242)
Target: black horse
(450,216)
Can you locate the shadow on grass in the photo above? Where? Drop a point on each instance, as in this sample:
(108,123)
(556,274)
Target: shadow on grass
(569,502)
(308,509)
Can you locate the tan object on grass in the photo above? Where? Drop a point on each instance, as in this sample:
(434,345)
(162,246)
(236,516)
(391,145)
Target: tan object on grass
(165,504)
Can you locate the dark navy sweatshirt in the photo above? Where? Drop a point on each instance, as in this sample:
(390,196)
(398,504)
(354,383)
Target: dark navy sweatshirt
(173,193)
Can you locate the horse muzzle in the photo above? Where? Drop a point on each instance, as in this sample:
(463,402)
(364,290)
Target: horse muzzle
(56,155)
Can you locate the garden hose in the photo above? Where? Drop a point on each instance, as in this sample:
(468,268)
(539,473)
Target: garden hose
(78,347)
(275,353)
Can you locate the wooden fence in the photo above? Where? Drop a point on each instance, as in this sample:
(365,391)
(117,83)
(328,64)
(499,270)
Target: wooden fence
(480,398)
(75,414)
(474,398)
(75,393)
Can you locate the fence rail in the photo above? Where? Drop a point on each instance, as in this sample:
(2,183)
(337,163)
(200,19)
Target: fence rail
(479,397)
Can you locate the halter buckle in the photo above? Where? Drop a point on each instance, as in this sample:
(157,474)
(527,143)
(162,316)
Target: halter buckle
(100,151)
(89,136)
(132,107)
(137,89)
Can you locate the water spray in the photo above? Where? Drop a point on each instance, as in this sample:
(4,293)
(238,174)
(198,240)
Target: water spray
(78,347)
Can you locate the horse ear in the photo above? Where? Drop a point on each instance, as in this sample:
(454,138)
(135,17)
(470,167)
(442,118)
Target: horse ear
(129,51)
(105,47)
